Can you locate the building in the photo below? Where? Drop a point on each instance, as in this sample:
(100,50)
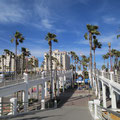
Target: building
(33,63)
(7,63)
(62,57)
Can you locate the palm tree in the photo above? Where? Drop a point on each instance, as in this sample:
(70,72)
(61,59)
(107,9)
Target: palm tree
(25,53)
(92,30)
(56,65)
(6,51)
(18,38)
(51,37)
(42,64)
(79,66)
(104,57)
(84,62)
(47,56)
(96,44)
(118,36)
(117,55)
(0,62)
(113,51)
(30,63)
(76,58)
(10,62)
(13,57)
(107,57)
(72,53)
(3,66)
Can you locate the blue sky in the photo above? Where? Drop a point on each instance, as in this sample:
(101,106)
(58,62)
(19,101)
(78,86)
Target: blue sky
(66,18)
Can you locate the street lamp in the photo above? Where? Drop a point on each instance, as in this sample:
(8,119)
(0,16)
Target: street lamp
(109,45)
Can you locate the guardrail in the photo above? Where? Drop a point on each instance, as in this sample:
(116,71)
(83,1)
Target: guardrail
(109,75)
(11,80)
(99,112)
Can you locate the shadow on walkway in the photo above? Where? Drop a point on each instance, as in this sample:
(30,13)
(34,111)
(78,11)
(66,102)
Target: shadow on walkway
(64,97)
(38,118)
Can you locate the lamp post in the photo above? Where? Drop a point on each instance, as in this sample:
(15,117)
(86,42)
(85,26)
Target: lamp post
(109,45)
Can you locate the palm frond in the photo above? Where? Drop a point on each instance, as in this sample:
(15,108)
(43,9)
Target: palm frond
(86,36)
(118,36)
(12,40)
(55,40)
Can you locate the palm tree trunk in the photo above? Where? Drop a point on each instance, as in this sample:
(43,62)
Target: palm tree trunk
(51,81)
(108,64)
(90,41)
(16,59)
(3,65)
(55,79)
(23,64)
(73,75)
(95,74)
(10,64)
(47,65)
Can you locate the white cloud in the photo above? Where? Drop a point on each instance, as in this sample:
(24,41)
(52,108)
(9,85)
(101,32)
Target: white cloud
(82,42)
(42,9)
(11,12)
(38,52)
(110,20)
(108,38)
(46,23)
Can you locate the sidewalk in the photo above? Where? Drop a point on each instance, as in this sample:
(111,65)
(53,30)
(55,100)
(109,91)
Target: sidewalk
(72,107)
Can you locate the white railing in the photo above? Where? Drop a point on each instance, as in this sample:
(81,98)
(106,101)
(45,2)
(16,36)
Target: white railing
(99,112)
(109,75)
(11,80)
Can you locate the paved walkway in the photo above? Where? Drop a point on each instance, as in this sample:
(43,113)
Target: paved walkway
(73,107)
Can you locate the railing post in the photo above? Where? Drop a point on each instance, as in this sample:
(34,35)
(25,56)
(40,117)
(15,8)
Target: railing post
(104,95)
(96,103)
(53,87)
(25,93)
(13,107)
(112,92)
(1,106)
(90,103)
(113,98)
(58,90)
(63,84)
(97,78)
(64,80)
(111,76)
(102,73)
(43,94)
(46,89)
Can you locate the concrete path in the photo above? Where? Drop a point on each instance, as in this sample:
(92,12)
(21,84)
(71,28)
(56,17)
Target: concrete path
(73,107)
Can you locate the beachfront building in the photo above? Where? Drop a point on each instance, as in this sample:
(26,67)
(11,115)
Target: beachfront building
(62,57)
(7,63)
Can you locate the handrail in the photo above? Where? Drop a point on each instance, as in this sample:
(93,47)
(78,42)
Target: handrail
(110,111)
